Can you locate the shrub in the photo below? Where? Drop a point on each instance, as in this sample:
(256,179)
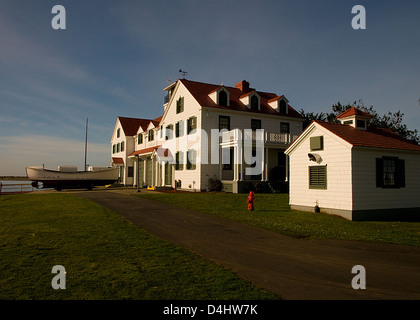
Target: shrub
(215,184)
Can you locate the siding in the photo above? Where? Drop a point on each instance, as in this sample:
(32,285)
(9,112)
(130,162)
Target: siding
(337,156)
(366,196)
(191,108)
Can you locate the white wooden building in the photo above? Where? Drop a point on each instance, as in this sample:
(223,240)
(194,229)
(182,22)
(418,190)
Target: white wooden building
(358,173)
(184,147)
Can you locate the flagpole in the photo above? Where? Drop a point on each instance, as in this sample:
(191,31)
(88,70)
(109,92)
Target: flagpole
(86,142)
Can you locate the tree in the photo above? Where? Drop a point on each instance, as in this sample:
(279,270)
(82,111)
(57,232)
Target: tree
(391,120)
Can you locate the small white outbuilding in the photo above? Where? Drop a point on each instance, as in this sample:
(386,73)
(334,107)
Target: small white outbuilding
(355,172)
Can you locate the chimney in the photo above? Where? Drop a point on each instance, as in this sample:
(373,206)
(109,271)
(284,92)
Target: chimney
(243,86)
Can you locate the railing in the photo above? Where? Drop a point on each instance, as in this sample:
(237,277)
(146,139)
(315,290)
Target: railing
(269,137)
(15,188)
(285,138)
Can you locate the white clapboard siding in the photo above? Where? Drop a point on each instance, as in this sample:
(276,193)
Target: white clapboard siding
(337,156)
(365,193)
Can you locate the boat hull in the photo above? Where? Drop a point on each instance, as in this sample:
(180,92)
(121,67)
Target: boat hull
(83,179)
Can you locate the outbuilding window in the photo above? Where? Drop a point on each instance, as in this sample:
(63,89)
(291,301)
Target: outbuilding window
(318,177)
(390,172)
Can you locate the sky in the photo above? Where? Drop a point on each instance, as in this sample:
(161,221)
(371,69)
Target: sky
(115,57)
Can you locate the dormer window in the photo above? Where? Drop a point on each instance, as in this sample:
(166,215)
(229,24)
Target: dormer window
(223,98)
(280,104)
(255,103)
(151,135)
(283,106)
(355,118)
(361,123)
(220,96)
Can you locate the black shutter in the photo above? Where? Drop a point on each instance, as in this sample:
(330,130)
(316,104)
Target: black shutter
(379,173)
(400,173)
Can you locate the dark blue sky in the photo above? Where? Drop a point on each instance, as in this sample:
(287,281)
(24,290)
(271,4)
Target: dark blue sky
(115,57)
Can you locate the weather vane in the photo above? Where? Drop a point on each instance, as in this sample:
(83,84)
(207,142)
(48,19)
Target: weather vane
(184,73)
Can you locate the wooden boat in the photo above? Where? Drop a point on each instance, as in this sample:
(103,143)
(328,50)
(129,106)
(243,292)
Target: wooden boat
(69,177)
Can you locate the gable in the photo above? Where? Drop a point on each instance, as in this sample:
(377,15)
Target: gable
(309,133)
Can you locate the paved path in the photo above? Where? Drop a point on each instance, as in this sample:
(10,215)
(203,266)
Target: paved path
(291,268)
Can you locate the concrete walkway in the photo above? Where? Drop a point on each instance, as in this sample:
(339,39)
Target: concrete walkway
(291,268)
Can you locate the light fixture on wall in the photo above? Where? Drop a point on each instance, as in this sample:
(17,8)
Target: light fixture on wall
(314,157)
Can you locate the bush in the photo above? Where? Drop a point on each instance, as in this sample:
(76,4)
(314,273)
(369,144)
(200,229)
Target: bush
(215,184)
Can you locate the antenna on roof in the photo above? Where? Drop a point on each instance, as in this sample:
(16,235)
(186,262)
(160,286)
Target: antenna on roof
(184,73)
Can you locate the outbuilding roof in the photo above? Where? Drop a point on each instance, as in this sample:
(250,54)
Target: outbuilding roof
(376,138)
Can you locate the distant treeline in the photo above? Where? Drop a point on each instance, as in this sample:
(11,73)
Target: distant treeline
(20,178)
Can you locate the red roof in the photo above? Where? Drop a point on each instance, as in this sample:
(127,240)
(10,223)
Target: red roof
(131,125)
(353,112)
(161,152)
(144,151)
(118,160)
(201,91)
(376,138)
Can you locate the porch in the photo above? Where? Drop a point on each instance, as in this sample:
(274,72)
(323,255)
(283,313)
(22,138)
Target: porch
(252,160)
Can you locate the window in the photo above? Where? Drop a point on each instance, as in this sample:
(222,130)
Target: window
(179,129)
(139,138)
(361,123)
(254,103)
(130,172)
(118,147)
(179,158)
(122,146)
(151,135)
(113,148)
(284,127)
(223,98)
(318,177)
(390,172)
(224,123)
(255,124)
(118,132)
(283,106)
(180,105)
(229,164)
(317,143)
(169,132)
(348,122)
(191,124)
(191,160)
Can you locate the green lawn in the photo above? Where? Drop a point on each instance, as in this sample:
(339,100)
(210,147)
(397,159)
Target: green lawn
(272,212)
(105,256)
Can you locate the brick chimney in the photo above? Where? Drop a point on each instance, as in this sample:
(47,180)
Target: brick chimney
(243,86)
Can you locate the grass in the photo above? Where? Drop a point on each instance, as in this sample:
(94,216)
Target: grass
(272,212)
(105,256)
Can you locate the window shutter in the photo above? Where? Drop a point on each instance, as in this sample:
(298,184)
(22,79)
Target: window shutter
(379,173)
(400,173)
